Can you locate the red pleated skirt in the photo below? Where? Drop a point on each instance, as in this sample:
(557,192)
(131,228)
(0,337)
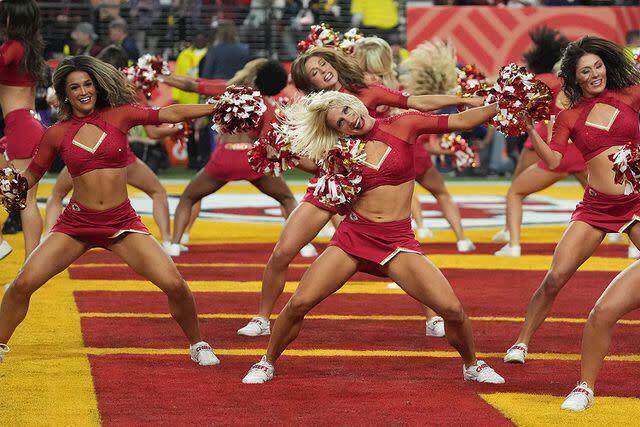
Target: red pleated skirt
(613,214)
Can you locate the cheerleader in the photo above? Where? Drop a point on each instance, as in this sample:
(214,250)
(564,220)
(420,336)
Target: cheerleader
(229,162)
(97,108)
(325,69)
(602,86)
(375,236)
(21,69)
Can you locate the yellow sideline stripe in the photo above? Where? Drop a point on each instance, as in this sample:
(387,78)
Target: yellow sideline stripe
(466,262)
(343,317)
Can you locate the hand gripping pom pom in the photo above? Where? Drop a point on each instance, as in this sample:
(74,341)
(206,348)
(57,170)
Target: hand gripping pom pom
(239,109)
(465,156)
(155,63)
(471,81)
(518,94)
(340,181)
(320,36)
(13,189)
(183,135)
(271,154)
(626,166)
(143,79)
(349,39)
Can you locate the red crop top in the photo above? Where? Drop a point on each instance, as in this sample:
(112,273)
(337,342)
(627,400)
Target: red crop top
(399,133)
(11,73)
(109,152)
(620,127)
(211,87)
(376,95)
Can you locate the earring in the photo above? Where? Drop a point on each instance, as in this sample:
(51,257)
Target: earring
(66,100)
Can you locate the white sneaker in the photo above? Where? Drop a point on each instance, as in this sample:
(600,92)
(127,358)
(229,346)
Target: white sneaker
(184,239)
(308,251)
(5,249)
(4,349)
(171,249)
(579,399)
(517,353)
(615,238)
(183,248)
(259,373)
(465,245)
(327,231)
(203,354)
(502,236)
(435,327)
(482,373)
(256,327)
(424,233)
(633,252)
(508,250)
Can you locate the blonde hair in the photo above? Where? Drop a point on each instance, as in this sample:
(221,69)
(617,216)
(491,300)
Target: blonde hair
(431,69)
(376,58)
(306,121)
(247,75)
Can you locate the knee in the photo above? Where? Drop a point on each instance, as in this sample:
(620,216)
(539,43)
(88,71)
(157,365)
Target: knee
(285,199)
(175,287)
(282,255)
(553,282)
(21,288)
(603,314)
(453,313)
(298,307)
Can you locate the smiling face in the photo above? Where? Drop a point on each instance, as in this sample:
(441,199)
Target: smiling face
(81,93)
(320,73)
(348,121)
(591,75)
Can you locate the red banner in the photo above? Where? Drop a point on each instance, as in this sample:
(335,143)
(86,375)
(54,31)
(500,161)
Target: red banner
(491,37)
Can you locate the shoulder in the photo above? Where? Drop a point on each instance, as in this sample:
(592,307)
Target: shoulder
(56,130)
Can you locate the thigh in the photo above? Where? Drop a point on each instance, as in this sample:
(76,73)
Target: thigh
(433,181)
(63,184)
(273,186)
(623,293)
(526,159)
(422,280)
(202,185)
(302,226)
(140,176)
(534,179)
(578,243)
(145,256)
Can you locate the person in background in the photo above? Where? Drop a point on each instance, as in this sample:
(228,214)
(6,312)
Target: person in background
(84,41)
(376,17)
(187,65)
(227,55)
(119,35)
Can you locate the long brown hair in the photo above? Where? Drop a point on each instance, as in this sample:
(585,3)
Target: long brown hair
(112,87)
(350,74)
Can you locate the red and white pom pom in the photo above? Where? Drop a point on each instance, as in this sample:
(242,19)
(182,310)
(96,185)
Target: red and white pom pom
(13,189)
(271,154)
(626,166)
(155,63)
(465,155)
(471,81)
(636,56)
(143,79)
(320,36)
(239,109)
(349,39)
(184,133)
(518,93)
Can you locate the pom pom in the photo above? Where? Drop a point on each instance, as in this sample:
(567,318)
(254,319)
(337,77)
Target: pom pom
(626,166)
(184,133)
(636,56)
(13,189)
(339,183)
(271,154)
(349,39)
(518,93)
(471,81)
(465,156)
(320,36)
(155,63)
(239,109)
(143,79)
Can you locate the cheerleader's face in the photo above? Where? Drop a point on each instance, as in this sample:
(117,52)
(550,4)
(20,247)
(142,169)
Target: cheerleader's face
(591,75)
(348,121)
(320,73)
(81,93)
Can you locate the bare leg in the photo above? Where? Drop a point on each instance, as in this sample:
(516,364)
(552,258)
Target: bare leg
(200,186)
(277,188)
(422,280)
(55,254)
(195,212)
(304,223)
(434,183)
(30,216)
(61,188)
(142,177)
(336,220)
(578,243)
(526,159)
(145,256)
(416,211)
(530,181)
(325,276)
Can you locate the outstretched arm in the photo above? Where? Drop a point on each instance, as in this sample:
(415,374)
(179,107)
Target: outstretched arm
(428,103)
(184,112)
(180,82)
(162,131)
(472,118)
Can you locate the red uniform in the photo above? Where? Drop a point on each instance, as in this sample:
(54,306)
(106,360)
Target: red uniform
(374,244)
(95,228)
(372,97)
(422,158)
(606,212)
(22,130)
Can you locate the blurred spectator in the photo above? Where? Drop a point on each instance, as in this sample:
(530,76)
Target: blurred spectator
(120,36)
(227,55)
(105,11)
(84,40)
(187,65)
(376,18)
(145,14)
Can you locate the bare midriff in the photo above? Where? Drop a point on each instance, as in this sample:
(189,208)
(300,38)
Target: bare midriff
(601,175)
(386,203)
(101,189)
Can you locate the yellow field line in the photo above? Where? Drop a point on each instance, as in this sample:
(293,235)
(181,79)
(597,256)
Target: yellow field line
(344,317)
(346,353)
